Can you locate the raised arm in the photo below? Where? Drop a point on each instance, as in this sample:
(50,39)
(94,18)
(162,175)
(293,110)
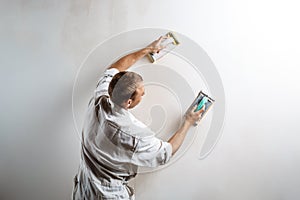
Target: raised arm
(126,61)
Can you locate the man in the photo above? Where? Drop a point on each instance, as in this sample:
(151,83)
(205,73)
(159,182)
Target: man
(114,142)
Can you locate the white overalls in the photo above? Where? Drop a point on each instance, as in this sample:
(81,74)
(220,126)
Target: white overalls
(113,146)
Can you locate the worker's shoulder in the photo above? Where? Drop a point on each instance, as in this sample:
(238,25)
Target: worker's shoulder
(133,128)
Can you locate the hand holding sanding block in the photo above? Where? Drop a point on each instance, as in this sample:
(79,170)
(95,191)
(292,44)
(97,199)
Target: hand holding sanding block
(201,100)
(170,42)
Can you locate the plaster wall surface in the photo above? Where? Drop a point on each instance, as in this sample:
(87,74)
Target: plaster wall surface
(254,45)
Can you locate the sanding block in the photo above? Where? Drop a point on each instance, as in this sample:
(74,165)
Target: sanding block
(201,100)
(169,43)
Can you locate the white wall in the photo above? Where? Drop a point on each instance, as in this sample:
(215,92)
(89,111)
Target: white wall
(254,45)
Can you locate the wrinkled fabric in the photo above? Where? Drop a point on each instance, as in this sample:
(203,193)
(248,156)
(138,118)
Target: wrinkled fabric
(113,146)
(88,187)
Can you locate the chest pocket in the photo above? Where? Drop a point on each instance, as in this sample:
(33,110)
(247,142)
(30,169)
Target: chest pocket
(120,138)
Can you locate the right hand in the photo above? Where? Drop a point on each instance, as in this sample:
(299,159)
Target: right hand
(192,117)
(156,46)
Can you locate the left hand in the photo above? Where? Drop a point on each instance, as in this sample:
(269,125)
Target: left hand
(156,46)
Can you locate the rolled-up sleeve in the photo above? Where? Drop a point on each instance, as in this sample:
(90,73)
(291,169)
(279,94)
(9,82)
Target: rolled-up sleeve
(104,80)
(152,152)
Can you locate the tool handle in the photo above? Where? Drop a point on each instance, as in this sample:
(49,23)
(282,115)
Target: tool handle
(201,104)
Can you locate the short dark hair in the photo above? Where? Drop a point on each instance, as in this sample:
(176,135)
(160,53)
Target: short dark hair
(123,86)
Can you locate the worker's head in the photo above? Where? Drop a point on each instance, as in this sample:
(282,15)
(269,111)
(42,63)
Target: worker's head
(126,89)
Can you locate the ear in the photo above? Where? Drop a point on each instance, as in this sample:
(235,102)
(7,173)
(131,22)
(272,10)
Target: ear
(128,103)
